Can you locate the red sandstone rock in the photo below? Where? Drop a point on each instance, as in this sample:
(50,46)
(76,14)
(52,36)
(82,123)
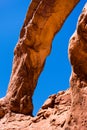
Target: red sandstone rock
(44,19)
(51,117)
(65,110)
(78,80)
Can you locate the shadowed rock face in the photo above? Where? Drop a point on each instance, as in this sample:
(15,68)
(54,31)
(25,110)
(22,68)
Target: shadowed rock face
(43,20)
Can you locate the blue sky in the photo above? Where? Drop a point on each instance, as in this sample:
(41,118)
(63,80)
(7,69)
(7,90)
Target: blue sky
(57,70)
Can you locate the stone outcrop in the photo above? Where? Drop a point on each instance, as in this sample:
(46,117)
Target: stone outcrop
(66,110)
(43,20)
(52,115)
(78,80)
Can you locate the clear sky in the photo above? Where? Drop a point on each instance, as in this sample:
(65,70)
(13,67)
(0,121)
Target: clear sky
(57,70)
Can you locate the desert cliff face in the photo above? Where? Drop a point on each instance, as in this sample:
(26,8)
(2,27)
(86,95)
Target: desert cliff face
(66,110)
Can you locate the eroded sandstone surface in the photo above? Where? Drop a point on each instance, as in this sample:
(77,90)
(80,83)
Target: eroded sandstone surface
(43,20)
(66,110)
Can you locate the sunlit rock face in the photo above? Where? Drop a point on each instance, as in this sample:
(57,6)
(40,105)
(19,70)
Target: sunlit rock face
(66,110)
(43,20)
(78,79)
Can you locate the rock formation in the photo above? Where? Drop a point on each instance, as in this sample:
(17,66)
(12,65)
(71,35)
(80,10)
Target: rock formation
(43,20)
(66,110)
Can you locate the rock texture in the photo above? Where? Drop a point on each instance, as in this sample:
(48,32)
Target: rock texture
(43,20)
(52,115)
(66,110)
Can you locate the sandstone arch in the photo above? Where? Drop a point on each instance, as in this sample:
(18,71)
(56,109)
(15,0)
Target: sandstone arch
(43,20)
